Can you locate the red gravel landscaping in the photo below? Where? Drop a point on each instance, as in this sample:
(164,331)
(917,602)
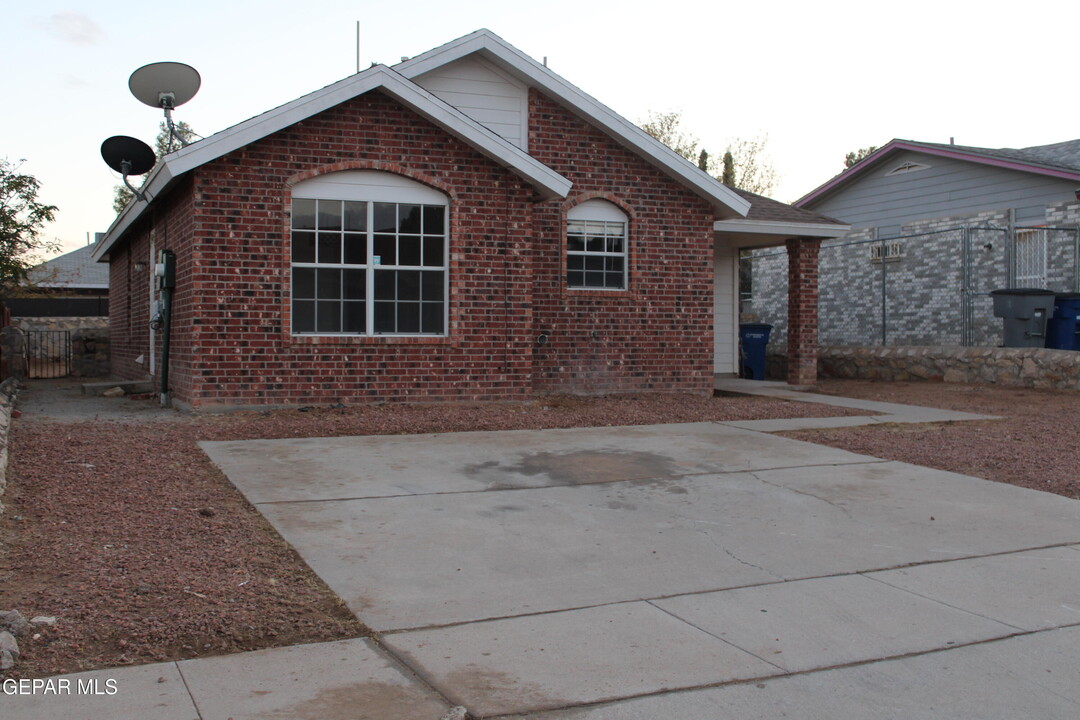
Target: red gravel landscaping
(1035,444)
(145,552)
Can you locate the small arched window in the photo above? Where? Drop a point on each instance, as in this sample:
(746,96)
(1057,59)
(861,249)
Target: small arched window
(369,256)
(596,246)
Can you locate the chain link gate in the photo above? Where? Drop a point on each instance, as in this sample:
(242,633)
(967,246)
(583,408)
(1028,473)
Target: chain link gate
(48,354)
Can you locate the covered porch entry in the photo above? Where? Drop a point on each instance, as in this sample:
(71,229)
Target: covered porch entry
(771,224)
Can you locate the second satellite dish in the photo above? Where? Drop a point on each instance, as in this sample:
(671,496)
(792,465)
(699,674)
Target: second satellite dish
(128,156)
(165,84)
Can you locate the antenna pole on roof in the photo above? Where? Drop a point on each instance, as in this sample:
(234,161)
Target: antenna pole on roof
(357,46)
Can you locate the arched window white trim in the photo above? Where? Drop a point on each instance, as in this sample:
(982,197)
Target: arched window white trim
(369,255)
(596,246)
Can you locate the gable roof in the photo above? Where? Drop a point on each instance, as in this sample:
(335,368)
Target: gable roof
(772,217)
(75,269)
(169,168)
(724,201)
(1060,160)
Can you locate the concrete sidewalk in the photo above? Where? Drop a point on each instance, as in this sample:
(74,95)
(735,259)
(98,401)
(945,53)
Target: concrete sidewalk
(877,412)
(687,571)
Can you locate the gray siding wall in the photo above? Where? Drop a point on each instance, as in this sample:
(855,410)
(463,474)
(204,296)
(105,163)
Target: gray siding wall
(948,187)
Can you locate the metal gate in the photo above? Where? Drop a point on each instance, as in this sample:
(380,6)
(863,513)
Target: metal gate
(48,353)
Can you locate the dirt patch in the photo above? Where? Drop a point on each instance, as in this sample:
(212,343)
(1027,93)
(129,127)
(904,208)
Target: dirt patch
(126,532)
(1036,444)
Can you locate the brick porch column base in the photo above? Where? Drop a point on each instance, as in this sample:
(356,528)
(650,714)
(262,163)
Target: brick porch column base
(802,310)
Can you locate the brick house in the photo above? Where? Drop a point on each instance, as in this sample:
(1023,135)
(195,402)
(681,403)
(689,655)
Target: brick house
(465,225)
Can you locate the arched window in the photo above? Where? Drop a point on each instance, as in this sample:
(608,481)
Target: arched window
(596,246)
(369,255)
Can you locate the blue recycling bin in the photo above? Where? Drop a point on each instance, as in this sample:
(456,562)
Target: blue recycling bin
(1063,328)
(753,337)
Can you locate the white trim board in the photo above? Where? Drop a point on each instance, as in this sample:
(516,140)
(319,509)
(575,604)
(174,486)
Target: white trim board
(776,227)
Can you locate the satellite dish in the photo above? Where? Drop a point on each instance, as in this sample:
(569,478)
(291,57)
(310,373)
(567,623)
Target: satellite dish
(165,84)
(128,156)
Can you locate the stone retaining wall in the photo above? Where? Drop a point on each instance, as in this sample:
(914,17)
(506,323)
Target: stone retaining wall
(1020,367)
(90,352)
(90,349)
(61,323)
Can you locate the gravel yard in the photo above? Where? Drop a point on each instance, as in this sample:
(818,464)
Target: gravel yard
(126,532)
(1036,444)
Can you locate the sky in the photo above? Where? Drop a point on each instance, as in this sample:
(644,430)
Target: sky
(818,79)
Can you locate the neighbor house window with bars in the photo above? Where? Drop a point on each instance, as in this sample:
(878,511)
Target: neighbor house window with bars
(889,252)
(363,267)
(596,246)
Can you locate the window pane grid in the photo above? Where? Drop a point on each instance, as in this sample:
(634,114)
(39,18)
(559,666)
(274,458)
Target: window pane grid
(368,268)
(596,254)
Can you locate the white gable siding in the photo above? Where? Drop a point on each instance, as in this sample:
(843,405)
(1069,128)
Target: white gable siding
(485,94)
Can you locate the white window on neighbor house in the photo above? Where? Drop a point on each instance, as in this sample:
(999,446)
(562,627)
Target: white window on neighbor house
(369,256)
(1030,258)
(889,252)
(596,246)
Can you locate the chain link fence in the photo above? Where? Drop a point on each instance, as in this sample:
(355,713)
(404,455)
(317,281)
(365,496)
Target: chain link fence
(927,288)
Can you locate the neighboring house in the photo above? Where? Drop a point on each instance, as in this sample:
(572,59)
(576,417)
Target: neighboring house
(953,223)
(465,225)
(69,285)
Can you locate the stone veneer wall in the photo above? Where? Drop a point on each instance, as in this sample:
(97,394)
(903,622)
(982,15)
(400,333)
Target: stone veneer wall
(1020,367)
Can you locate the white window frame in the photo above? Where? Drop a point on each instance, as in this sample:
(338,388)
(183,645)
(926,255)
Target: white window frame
(371,187)
(1031,257)
(595,220)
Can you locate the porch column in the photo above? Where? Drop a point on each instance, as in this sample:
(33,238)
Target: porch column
(802,310)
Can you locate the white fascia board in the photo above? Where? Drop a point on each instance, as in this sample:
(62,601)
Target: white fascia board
(449,118)
(788,229)
(548,183)
(722,198)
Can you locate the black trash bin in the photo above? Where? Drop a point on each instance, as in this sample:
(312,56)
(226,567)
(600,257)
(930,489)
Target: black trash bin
(753,337)
(1025,311)
(1063,328)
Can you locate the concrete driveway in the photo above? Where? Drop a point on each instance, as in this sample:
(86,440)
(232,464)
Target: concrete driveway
(684,571)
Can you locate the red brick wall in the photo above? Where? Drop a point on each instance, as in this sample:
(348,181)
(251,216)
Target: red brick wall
(129,293)
(658,334)
(802,310)
(241,266)
(229,229)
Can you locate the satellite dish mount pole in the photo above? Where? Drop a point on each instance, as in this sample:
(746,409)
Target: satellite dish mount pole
(125,170)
